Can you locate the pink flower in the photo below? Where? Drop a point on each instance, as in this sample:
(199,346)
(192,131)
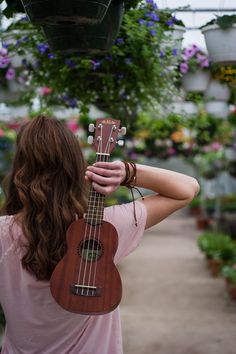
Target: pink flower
(3,52)
(45,90)
(73,125)
(184,68)
(215,146)
(171,151)
(204,63)
(1,133)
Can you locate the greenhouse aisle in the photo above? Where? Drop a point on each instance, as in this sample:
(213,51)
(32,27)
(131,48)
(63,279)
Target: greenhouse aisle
(170,302)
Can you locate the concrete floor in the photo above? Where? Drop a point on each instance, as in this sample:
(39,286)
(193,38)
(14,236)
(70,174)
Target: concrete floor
(171,304)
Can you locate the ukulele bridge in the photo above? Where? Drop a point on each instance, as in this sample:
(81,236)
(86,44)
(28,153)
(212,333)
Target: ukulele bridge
(85,290)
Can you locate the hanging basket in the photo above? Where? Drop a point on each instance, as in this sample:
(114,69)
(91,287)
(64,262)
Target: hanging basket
(96,39)
(218,91)
(185,108)
(196,82)
(218,109)
(221,44)
(66,12)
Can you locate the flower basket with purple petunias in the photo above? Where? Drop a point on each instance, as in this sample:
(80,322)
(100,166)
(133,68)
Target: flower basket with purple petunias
(195,69)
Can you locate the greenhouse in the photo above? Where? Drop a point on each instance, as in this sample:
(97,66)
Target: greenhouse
(117,177)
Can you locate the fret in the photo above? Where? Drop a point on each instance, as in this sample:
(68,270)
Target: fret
(95,210)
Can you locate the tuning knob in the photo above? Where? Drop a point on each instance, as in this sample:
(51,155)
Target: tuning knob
(120,142)
(123,130)
(90,139)
(91,128)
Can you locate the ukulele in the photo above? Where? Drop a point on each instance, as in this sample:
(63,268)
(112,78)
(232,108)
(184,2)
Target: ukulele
(86,280)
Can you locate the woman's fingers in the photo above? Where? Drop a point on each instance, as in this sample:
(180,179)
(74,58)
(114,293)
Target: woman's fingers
(106,176)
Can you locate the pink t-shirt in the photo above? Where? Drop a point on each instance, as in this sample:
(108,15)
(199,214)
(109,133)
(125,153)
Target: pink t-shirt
(36,324)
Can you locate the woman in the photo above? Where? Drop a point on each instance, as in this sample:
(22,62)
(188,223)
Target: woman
(46,192)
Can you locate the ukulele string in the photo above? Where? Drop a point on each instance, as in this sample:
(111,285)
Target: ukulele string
(88,229)
(100,199)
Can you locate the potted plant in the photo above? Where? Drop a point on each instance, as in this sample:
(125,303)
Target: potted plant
(129,78)
(218,248)
(195,69)
(95,39)
(220,37)
(54,11)
(229,273)
(217,108)
(217,91)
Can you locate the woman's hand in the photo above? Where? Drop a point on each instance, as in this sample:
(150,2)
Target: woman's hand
(106,177)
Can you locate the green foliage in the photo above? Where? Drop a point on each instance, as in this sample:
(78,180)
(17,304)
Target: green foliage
(229,272)
(135,74)
(217,245)
(13,6)
(224,22)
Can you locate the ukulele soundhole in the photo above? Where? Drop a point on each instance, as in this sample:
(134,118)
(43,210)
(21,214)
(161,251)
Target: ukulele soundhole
(90,250)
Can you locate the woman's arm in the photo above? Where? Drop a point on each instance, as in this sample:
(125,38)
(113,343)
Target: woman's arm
(172,190)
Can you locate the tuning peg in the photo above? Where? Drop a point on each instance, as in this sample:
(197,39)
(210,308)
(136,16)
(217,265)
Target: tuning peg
(91,128)
(120,142)
(123,130)
(90,139)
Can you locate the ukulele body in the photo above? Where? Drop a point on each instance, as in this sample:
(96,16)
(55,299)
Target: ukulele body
(86,280)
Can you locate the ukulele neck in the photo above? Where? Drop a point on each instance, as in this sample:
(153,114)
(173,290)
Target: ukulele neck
(95,211)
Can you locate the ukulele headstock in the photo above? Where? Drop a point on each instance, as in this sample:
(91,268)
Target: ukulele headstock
(106,135)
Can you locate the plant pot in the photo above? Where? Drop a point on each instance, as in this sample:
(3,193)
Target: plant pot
(214,266)
(221,44)
(196,82)
(217,91)
(202,222)
(232,168)
(218,109)
(184,107)
(66,12)
(175,38)
(231,288)
(97,39)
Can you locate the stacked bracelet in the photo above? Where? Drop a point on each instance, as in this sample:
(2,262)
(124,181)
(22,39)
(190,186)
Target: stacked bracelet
(130,181)
(130,178)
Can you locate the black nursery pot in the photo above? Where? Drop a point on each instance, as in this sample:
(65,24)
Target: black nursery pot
(66,11)
(96,39)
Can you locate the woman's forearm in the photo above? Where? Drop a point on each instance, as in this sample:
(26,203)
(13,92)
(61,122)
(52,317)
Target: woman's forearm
(166,183)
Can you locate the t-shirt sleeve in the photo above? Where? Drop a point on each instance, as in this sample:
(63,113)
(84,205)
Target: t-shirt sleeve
(122,218)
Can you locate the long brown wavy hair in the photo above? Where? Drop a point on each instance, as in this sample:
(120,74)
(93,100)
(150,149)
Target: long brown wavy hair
(47,189)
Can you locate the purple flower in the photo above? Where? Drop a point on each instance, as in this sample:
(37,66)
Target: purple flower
(120,40)
(150,24)
(10,74)
(4,62)
(153,32)
(70,63)
(3,52)
(141,22)
(42,47)
(162,54)
(200,57)
(51,55)
(95,64)
(154,17)
(108,57)
(73,103)
(204,63)
(174,52)
(184,68)
(170,22)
